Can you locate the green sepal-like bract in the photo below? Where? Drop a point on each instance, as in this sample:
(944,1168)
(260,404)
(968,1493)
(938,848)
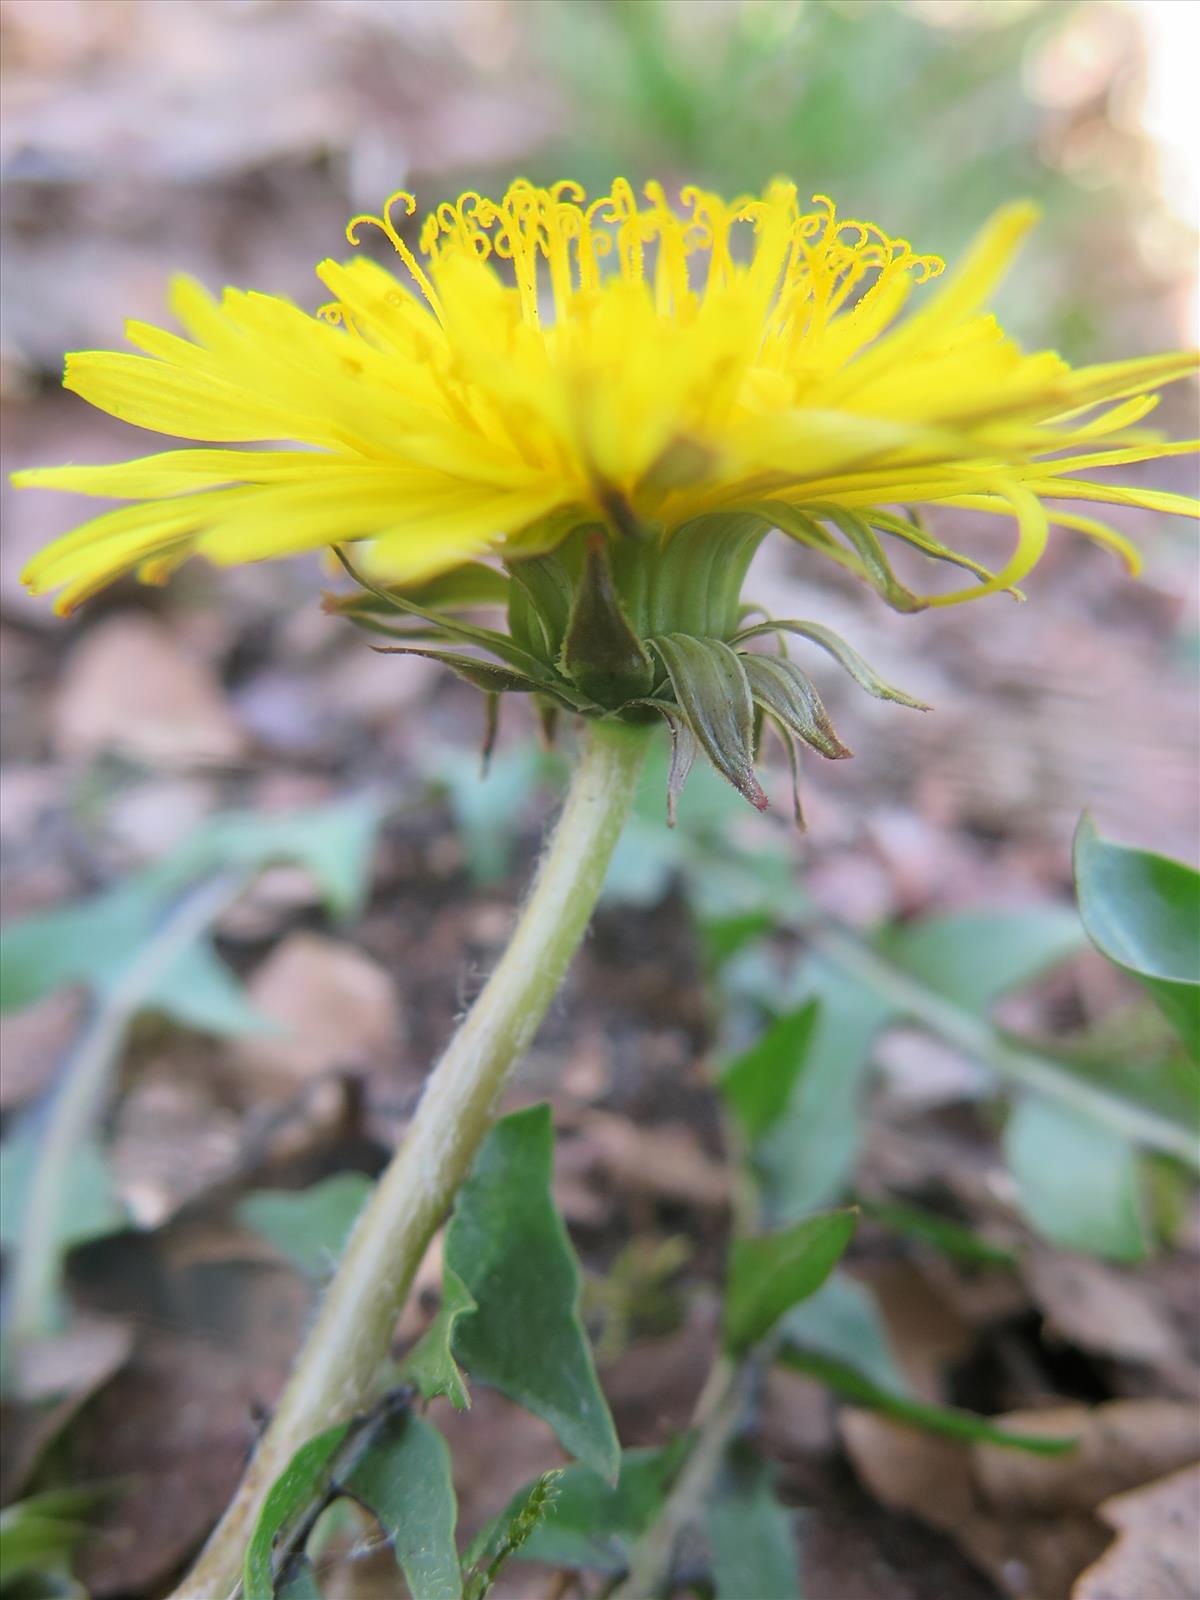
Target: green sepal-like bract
(600,653)
(713,693)
(629,629)
(787,694)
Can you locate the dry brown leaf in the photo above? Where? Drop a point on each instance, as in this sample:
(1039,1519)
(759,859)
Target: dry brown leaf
(1156,1555)
(665,1161)
(49,1381)
(494,1430)
(425,1296)
(1102,1309)
(76,1361)
(907,1470)
(927,1332)
(1121,1445)
(377,686)
(172,1138)
(174,1427)
(360,1567)
(28,793)
(127,686)
(1029,1558)
(337,1007)
(797,1415)
(653,1385)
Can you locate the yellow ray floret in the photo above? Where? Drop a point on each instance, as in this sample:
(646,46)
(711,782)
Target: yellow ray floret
(544,360)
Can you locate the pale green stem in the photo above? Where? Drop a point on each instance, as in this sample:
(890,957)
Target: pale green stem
(715,1420)
(978,1038)
(339,1366)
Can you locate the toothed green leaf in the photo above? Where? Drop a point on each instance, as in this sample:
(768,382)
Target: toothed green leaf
(507,1243)
(299,1581)
(302,1482)
(430,1364)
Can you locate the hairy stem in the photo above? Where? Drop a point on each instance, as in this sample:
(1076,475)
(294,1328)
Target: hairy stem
(339,1365)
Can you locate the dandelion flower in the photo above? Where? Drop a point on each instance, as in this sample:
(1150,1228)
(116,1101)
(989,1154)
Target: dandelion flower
(615,395)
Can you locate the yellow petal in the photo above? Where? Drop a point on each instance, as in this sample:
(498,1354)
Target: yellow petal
(424,546)
(1150,451)
(969,287)
(1102,534)
(280,520)
(1116,494)
(181,471)
(1032,532)
(151,394)
(118,541)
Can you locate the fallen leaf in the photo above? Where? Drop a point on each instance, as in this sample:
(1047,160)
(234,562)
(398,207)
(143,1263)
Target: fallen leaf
(798,1415)
(1156,1555)
(907,1470)
(50,1381)
(127,686)
(1103,1309)
(77,1361)
(664,1161)
(28,794)
(492,1429)
(173,1428)
(922,1072)
(927,1332)
(337,1009)
(378,687)
(1029,1558)
(172,1139)
(1121,1444)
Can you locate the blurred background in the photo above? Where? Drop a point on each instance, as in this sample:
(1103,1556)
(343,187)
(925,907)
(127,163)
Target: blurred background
(232,139)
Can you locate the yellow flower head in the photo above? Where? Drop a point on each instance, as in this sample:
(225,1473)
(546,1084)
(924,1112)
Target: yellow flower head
(548,362)
(614,399)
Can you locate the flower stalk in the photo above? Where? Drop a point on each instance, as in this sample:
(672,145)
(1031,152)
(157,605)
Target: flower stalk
(341,1362)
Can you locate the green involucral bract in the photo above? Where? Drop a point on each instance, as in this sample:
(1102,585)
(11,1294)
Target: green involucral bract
(649,625)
